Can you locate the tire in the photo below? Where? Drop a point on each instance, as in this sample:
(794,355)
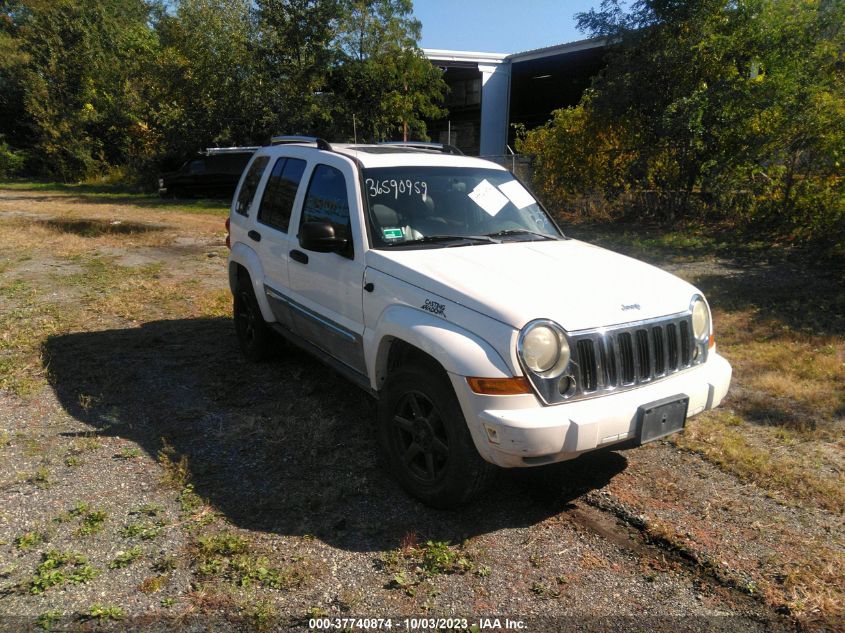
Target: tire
(255,337)
(425,440)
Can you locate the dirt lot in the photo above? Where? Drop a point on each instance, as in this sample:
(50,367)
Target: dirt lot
(150,477)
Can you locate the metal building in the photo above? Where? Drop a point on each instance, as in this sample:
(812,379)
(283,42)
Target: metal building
(491,91)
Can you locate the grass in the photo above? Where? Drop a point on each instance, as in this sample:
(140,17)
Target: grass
(229,556)
(57,568)
(29,540)
(128,452)
(112,193)
(262,615)
(48,620)
(411,564)
(105,613)
(763,455)
(154,584)
(22,328)
(782,328)
(145,531)
(92,522)
(124,559)
(781,324)
(781,427)
(40,478)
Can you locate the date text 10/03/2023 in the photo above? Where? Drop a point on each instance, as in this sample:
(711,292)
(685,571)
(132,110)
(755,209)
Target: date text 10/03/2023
(416,624)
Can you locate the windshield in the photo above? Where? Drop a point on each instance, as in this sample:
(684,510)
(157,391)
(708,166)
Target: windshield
(433,206)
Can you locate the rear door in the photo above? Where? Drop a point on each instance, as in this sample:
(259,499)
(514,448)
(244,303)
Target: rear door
(273,231)
(326,288)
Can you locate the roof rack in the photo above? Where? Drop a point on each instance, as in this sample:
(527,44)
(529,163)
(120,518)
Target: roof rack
(284,140)
(438,147)
(211,151)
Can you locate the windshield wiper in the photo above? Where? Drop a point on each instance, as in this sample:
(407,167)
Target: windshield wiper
(436,239)
(508,232)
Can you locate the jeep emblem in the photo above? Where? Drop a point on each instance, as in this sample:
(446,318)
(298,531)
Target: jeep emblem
(632,306)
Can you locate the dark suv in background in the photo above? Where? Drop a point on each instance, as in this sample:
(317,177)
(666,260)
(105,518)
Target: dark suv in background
(213,174)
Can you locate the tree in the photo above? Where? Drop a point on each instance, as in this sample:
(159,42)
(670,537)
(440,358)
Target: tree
(295,57)
(74,77)
(383,80)
(89,87)
(208,88)
(727,97)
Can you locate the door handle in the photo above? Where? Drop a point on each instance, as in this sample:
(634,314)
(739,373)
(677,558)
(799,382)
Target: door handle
(254,235)
(299,256)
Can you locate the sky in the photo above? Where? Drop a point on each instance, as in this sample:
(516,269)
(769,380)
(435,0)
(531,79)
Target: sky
(499,26)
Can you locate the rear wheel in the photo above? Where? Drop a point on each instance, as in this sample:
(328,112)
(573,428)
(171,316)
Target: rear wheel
(254,335)
(425,439)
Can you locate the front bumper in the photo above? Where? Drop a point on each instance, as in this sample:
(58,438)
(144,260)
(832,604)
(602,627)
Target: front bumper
(515,431)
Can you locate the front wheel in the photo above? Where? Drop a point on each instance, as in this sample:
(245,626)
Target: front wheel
(425,440)
(254,335)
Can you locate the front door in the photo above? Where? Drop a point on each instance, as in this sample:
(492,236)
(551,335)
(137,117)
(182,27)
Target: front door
(326,288)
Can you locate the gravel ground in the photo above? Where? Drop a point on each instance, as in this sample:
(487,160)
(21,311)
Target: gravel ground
(280,459)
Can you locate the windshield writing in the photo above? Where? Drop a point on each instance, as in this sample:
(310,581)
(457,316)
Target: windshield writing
(411,205)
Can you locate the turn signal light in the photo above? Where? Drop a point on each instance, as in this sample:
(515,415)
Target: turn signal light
(499,386)
(711,342)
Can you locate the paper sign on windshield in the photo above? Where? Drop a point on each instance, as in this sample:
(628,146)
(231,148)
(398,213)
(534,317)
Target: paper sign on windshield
(517,194)
(488,197)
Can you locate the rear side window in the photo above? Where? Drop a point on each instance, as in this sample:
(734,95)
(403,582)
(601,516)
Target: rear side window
(250,184)
(228,163)
(327,201)
(280,192)
(196,167)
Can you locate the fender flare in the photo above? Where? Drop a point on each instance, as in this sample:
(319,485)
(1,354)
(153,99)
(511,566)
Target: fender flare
(244,256)
(458,350)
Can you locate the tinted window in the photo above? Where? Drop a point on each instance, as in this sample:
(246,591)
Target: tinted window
(279,194)
(250,184)
(327,201)
(196,167)
(228,163)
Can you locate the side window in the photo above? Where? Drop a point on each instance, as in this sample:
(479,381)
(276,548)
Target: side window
(196,167)
(279,194)
(250,184)
(326,200)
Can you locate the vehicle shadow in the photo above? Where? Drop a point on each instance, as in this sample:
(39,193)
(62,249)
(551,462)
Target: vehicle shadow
(809,301)
(285,446)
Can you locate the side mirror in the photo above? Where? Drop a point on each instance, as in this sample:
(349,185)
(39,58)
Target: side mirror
(320,237)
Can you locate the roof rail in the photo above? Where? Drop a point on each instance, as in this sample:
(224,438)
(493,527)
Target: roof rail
(283,140)
(211,151)
(438,147)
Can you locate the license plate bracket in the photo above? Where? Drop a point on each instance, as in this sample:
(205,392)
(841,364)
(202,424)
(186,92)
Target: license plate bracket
(661,418)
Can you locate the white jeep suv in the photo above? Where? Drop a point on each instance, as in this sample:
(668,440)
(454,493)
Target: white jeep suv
(437,283)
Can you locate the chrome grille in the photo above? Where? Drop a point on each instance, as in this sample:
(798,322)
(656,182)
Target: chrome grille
(633,355)
(624,357)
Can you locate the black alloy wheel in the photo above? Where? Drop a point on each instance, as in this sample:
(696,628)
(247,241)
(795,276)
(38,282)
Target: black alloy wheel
(254,335)
(420,437)
(425,440)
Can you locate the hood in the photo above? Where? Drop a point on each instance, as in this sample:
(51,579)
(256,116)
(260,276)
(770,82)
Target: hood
(578,285)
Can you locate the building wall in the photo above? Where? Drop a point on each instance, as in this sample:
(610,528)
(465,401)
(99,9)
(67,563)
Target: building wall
(522,88)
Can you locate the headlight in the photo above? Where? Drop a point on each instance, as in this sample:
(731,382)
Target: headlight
(700,319)
(543,348)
